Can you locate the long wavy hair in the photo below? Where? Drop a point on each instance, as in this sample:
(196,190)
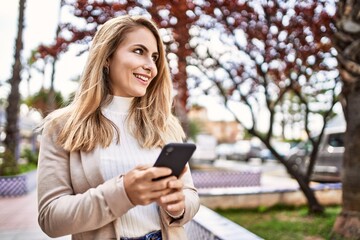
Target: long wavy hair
(83,126)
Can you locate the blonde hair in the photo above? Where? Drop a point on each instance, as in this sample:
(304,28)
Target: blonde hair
(83,124)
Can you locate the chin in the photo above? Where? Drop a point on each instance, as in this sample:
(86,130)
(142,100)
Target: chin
(139,94)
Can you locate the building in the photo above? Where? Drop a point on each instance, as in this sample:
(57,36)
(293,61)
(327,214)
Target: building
(223,131)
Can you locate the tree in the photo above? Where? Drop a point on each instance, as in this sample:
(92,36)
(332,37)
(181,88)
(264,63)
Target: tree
(11,155)
(181,15)
(271,55)
(47,100)
(52,102)
(40,101)
(347,42)
(174,17)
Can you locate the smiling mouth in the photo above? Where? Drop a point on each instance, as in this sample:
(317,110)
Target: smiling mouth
(142,77)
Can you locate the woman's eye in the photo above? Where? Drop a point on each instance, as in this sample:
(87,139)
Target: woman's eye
(155,58)
(139,51)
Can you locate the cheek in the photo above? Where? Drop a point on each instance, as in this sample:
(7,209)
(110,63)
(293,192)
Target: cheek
(121,60)
(120,69)
(155,72)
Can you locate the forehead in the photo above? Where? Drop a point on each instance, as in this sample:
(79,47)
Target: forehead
(141,36)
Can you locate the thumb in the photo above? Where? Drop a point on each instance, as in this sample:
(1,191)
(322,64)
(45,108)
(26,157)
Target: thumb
(142,167)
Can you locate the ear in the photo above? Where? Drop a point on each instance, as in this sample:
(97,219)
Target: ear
(107,67)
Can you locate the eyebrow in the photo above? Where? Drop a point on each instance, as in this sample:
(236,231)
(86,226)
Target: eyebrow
(144,47)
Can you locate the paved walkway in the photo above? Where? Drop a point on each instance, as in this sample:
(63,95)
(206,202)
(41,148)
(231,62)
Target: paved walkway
(18,219)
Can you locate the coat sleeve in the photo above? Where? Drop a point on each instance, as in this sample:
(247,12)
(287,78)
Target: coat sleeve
(61,210)
(192,203)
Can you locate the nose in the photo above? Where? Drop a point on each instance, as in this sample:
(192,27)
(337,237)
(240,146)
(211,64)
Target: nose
(150,66)
(147,68)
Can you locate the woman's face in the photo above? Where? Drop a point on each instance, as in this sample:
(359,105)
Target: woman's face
(133,65)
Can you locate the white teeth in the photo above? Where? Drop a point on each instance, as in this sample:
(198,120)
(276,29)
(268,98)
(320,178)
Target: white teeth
(142,77)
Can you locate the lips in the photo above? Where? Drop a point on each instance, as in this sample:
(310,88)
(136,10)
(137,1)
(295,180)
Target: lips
(142,77)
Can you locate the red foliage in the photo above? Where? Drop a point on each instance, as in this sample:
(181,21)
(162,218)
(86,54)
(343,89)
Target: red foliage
(283,33)
(98,12)
(284,30)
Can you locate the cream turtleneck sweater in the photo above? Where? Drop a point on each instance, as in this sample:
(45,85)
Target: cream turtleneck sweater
(120,158)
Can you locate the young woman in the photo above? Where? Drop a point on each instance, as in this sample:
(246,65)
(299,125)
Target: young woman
(95,174)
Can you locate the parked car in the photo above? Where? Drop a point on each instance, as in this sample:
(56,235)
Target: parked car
(242,150)
(328,163)
(224,150)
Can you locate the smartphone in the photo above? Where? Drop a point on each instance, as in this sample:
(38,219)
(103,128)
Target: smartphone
(175,156)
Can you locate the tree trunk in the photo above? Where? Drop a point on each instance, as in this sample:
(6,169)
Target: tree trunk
(313,204)
(182,96)
(347,42)
(348,222)
(182,37)
(12,111)
(51,101)
(51,105)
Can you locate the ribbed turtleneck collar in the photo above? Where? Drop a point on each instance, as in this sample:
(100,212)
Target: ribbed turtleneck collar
(119,104)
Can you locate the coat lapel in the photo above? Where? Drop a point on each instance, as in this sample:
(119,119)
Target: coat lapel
(90,163)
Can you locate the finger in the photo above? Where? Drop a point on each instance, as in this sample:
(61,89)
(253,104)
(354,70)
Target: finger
(156,195)
(172,197)
(158,172)
(142,167)
(175,208)
(162,184)
(177,184)
(145,196)
(173,203)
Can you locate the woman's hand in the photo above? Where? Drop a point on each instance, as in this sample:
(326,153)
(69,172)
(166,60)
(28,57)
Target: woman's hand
(140,187)
(174,202)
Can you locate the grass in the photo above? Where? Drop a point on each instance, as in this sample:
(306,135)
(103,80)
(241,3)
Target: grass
(23,168)
(283,223)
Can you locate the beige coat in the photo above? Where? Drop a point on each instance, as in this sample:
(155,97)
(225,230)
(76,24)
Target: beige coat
(73,197)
